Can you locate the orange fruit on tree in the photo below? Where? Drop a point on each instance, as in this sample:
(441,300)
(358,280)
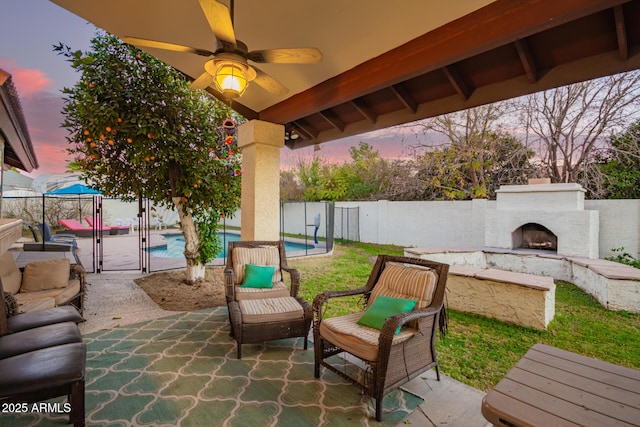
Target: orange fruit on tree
(108,129)
(86,132)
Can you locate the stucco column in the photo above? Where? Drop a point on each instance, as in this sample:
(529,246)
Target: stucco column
(260,143)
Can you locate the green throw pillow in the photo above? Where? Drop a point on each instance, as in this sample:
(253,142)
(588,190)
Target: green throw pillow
(257,276)
(384,307)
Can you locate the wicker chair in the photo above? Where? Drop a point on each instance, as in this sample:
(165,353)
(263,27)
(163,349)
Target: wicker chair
(404,347)
(264,314)
(20,298)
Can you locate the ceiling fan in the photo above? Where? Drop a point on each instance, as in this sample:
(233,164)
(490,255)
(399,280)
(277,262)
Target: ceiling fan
(228,69)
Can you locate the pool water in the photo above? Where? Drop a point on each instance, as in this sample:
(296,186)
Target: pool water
(175,246)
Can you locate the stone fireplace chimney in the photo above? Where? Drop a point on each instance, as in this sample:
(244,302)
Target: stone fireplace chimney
(543,217)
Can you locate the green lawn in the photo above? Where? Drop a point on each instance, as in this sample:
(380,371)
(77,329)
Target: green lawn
(479,351)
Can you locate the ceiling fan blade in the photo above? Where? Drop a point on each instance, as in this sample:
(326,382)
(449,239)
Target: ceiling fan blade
(167,46)
(219,20)
(268,83)
(202,82)
(309,55)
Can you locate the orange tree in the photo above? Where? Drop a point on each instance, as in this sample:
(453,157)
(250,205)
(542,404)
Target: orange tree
(137,130)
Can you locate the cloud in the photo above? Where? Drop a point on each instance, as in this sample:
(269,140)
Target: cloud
(43,116)
(28,81)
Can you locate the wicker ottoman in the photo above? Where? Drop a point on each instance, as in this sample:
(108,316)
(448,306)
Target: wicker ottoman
(254,321)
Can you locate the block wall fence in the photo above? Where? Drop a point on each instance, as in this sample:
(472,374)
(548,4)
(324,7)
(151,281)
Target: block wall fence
(452,224)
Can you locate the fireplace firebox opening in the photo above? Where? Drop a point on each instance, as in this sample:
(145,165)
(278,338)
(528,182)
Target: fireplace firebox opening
(534,236)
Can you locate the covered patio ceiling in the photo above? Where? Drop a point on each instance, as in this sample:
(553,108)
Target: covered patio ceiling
(388,63)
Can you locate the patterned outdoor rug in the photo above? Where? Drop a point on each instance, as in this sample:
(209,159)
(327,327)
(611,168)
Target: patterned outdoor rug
(182,370)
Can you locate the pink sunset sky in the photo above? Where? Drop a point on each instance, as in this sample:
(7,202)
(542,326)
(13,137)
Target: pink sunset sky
(29,30)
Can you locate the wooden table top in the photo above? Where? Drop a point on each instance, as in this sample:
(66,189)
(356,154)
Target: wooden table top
(552,388)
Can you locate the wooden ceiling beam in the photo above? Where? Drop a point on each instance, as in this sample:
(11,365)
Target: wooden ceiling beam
(405,97)
(309,131)
(457,81)
(499,23)
(332,119)
(621,33)
(364,110)
(526,58)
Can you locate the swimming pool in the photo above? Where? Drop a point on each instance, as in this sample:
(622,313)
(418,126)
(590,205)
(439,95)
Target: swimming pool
(175,246)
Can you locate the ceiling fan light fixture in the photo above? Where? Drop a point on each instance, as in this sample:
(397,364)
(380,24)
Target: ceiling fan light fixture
(230,79)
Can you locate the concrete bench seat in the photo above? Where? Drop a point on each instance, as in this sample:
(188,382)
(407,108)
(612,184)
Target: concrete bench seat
(524,299)
(616,286)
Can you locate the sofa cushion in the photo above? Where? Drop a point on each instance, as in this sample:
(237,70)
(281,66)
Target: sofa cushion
(278,289)
(39,338)
(42,318)
(266,255)
(10,274)
(398,280)
(358,340)
(27,373)
(270,310)
(35,304)
(43,275)
(60,295)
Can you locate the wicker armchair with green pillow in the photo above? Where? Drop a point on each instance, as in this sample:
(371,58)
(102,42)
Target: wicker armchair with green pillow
(262,304)
(395,333)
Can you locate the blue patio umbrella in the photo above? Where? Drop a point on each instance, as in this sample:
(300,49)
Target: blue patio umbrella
(74,189)
(77,189)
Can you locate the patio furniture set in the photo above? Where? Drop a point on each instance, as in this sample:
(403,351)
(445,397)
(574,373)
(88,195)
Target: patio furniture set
(394,335)
(391,340)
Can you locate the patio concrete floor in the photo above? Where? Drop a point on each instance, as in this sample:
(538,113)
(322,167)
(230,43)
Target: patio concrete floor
(114,299)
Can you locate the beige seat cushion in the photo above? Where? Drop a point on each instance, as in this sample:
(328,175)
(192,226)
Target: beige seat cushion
(267,255)
(270,310)
(60,295)
(278,290)
(44,275)
(10,274)
(28,305)
(399,280)
(361,341)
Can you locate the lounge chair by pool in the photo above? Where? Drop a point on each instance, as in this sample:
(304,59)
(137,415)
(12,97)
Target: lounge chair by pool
(112,229)
(76,227)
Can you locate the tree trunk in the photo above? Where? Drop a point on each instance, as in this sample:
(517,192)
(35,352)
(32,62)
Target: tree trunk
(195,270)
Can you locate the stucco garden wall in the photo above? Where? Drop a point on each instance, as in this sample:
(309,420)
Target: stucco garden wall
(461,224)
(455,224)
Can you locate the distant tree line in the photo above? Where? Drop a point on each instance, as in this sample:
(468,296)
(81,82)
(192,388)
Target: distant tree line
(586,133)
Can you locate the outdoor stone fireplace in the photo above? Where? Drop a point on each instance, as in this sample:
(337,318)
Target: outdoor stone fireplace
(534,236)
(547,217)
